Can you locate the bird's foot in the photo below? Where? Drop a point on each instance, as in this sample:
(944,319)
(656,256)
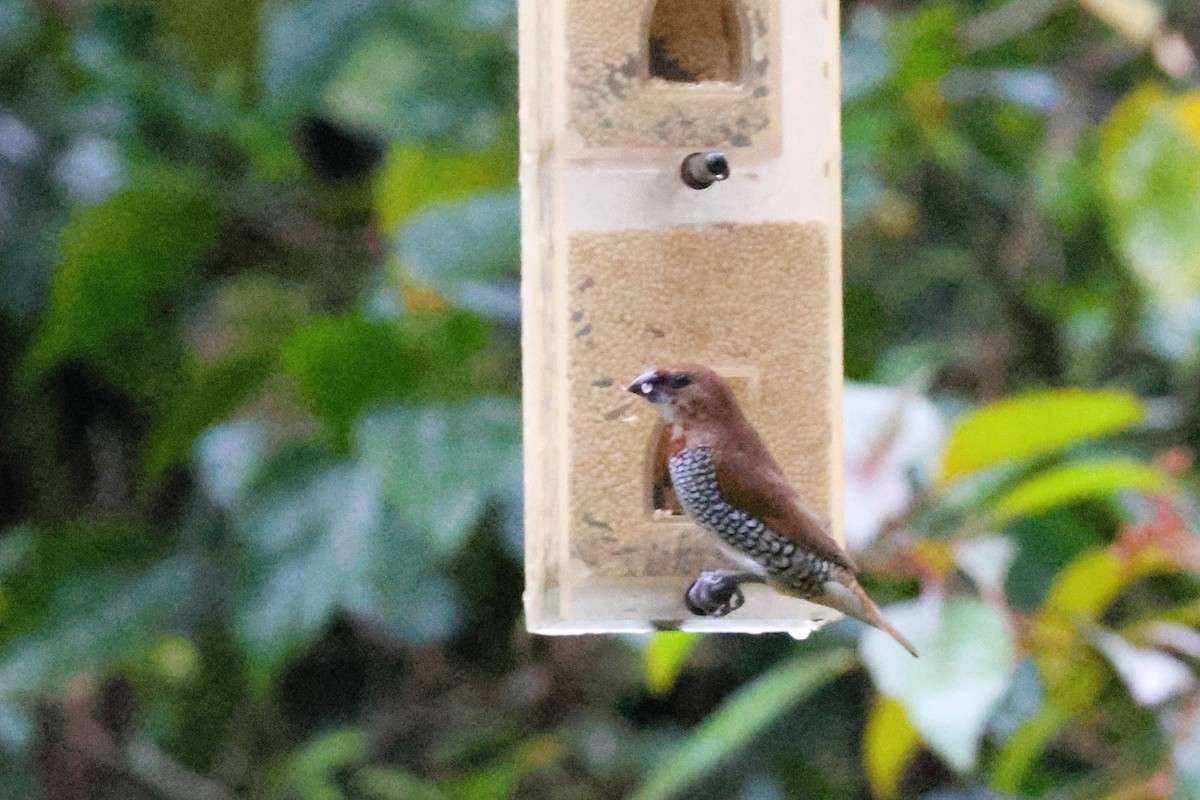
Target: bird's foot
(717,592)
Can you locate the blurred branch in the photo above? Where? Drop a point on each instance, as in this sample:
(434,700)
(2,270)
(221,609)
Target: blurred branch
(84,750)
(1001,257)
(155,769)
(1141,22)
(1007,22)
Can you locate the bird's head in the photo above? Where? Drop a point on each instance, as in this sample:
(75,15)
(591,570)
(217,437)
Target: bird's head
(686,394)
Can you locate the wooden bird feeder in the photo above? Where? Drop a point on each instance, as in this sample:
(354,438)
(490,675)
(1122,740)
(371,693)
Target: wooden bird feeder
(636,256)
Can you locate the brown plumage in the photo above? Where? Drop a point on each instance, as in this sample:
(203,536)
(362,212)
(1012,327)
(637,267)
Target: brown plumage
(705,435)
(662,494)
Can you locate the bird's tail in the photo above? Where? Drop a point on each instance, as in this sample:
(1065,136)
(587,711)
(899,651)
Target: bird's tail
(852,599)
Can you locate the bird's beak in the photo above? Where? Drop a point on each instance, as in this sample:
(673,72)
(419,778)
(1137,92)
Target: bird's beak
(645,384)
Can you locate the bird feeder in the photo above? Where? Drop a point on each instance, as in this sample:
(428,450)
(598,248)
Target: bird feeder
(680,177)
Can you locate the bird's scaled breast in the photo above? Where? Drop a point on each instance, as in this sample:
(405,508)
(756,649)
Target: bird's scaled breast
(694,476)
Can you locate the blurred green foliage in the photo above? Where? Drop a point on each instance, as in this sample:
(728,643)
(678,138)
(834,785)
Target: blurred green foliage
(260,435)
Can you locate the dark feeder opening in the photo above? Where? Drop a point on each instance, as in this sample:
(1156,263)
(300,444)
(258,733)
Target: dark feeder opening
(693,41)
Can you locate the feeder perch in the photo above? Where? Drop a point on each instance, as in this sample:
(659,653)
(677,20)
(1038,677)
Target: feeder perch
(680,178)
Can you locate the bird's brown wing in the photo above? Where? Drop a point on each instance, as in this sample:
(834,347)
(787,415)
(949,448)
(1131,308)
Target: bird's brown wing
(750,480)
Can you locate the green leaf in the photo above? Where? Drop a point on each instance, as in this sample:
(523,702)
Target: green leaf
(1045,545)
(209,669)
(966,661)
(15,546)
(466,251)
(251,314)
(227,458)
(210,393)
(17,22)
(889,743)
(218,34)
(306,538)
(304,41)
(1187,762)
(1016,758)
(1089,584)
(1076,481)
(865,61)
(444,463)
(342,365)
(1150,185)
(1065,184)
(393,783)
(126,265)
(316,770)
(96,620)
(924,45)
(494,783)
(420,75)
(50,562)
(368,534)
(664,657)
(321,537)
(242,325)
(412,177)
(1081,593)
(16,778)
(1035,424)
(379,80)
(740,719)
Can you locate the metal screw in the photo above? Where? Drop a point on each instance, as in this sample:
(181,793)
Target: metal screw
(702,170)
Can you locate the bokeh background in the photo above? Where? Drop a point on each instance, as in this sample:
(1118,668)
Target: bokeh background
(260,526)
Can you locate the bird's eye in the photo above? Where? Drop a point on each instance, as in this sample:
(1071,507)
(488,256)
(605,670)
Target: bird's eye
(647,387)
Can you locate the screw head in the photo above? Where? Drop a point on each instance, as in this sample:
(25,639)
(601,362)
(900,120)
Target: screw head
(701,170)
(717,164)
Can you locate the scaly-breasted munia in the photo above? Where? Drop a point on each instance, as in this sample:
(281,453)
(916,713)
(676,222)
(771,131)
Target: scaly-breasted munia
(726,480)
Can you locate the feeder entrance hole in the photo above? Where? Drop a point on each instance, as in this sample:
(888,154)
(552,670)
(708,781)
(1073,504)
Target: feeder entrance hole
(693,41)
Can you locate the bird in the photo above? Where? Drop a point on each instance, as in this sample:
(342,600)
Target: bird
(724,478)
